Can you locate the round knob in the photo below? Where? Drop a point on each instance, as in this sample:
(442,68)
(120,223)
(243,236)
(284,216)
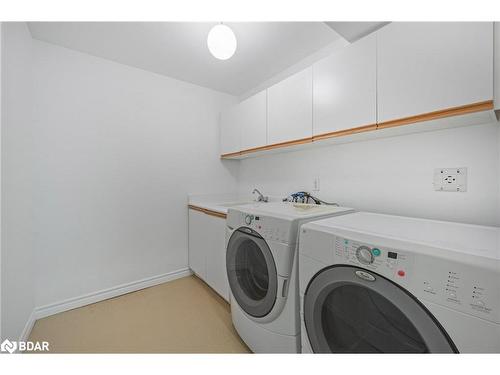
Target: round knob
(364,255)
(248,219)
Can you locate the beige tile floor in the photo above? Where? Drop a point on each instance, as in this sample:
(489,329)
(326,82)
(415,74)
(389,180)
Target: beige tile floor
(181,316)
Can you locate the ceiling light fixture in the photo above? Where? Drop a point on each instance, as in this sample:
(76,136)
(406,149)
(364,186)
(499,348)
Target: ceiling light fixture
(221,42)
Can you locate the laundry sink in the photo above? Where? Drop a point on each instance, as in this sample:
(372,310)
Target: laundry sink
(310,207)
(232,204)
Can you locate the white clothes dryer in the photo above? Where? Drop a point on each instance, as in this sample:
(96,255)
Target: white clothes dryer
(372,283)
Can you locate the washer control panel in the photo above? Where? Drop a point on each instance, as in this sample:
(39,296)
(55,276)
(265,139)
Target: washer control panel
(272,229)
(391,263)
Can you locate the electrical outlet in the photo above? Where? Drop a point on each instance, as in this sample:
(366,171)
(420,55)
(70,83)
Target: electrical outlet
(450,179)
(316,184)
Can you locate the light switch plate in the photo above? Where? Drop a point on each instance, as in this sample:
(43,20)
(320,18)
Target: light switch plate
(450,179)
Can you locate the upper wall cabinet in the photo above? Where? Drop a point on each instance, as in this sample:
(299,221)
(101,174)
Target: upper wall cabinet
(230,133)
(252,116)
(430,66)
(290,108)
(344,88)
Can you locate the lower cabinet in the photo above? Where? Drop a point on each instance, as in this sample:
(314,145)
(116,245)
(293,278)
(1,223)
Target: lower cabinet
(207,250)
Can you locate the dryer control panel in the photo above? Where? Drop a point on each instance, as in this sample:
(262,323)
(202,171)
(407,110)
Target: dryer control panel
(469,288)
(391,263)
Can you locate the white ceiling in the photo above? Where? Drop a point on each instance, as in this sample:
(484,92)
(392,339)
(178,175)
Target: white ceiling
(353,31)
(179,49)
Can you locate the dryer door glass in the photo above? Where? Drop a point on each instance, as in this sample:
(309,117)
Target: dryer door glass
(251,272)
(344,313)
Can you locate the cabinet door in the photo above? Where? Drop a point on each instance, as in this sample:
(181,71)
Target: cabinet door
(344,88)
(197,243)
(229,132)
(252,117)
(289,106)
(216,256)
(428,66)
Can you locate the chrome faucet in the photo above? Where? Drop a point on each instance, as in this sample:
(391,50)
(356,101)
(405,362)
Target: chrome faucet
(260,198)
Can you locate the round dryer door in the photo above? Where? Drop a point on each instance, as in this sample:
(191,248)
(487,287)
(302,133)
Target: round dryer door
(353,310)
(251,272)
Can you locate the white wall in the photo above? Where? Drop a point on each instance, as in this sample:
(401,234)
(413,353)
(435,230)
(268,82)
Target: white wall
(392,175)
(118,149)
(17,273)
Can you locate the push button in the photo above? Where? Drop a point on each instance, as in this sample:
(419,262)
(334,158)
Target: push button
(376,252)
(401,273)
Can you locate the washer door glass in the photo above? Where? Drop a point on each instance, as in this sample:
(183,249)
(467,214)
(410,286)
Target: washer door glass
(345,313)
(251,272)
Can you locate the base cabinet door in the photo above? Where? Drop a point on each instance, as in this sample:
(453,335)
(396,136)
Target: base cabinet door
(198,233)
(207,250)
(424,67)
(216,257)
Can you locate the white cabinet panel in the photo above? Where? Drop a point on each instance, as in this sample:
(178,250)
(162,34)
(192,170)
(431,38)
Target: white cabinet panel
(344,88)
(216,256)
(230,132)
(428,66)
(289,105)
(198,233)
(252,117)
(207,250)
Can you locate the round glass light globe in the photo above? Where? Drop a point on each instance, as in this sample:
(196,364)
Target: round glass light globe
(221,42)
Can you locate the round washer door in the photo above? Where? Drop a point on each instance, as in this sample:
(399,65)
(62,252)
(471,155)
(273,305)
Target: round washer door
(352,310)
(251,272)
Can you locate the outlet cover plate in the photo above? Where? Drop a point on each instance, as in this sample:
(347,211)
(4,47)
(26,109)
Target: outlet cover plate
(315,184)
(450,179)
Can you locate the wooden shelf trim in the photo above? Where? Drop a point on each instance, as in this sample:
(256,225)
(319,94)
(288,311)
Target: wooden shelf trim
(230,155)
(207,211)
(277,145)
(449,112)
(345,132)
(268,147)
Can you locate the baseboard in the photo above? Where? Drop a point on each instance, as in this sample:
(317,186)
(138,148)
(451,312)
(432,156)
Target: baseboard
(87,299)
(25,334)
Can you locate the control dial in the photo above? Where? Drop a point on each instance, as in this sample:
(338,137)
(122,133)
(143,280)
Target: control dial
(248,219)
(364,255)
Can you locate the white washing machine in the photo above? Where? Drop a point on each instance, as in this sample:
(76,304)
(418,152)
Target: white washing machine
(381,283)
(261,243)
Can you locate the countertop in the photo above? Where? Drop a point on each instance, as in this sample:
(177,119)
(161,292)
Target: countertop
(219,203)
